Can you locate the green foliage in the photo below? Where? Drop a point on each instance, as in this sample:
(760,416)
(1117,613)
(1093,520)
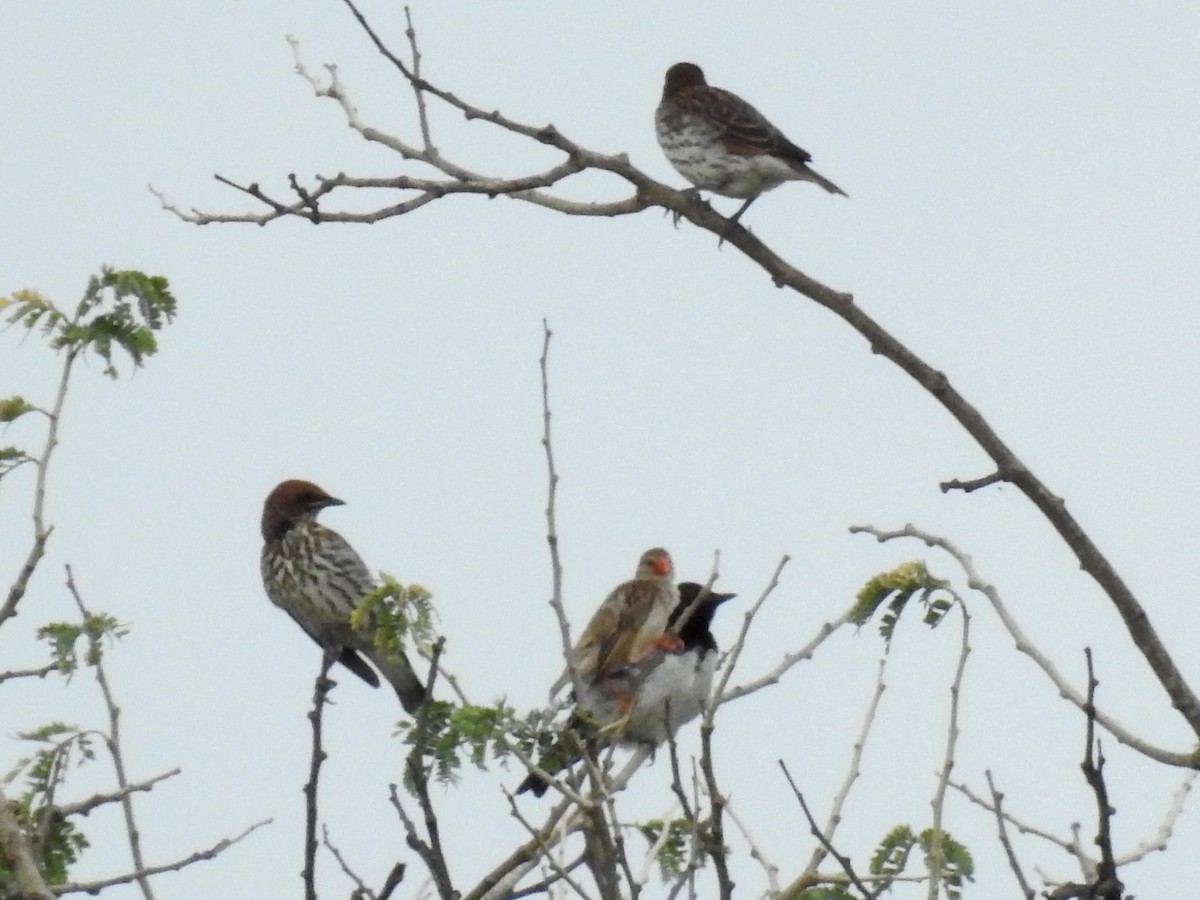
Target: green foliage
(12,408)
(119,309)
(64,636)
(11,458)
(55,840)
(896,588)
(451,734)
(397,613)
(956,865)
(672,855)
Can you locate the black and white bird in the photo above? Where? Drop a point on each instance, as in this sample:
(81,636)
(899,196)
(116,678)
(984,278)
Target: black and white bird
(648,699)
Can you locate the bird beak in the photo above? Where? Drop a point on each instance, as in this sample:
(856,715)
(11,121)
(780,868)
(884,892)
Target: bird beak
(328,501)
(660,565)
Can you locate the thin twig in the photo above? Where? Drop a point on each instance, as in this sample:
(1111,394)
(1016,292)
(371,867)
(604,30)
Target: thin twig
(997,800)
(321,689)
(936,858)
(556,572)
(852,773)
(431,852)
(83,807)
(94,887)
(715,837)
(719,696)
(843,861)
(39,672)
(113,739)
(976,582)
(361,888)
(41,534)
(1108,886)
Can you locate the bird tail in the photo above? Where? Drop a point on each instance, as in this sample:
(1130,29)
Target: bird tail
(400,675)
(816,178)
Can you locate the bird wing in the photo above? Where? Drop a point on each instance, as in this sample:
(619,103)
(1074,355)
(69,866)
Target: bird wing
(635,626)
(747,132)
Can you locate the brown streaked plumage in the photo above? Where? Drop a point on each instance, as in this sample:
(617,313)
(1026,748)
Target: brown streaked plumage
(628,622)
(313,574)
(720,143)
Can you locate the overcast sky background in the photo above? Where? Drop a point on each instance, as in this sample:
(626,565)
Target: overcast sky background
(1024,212)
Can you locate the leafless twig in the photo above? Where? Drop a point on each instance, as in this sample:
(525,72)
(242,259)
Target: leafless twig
(936,857)
(321,688)
(113,741)
(997,799)
(843,861)
(94,887)
(976,582)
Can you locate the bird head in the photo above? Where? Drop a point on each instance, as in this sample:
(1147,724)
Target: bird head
(682,76)
(292,502)
(655,563)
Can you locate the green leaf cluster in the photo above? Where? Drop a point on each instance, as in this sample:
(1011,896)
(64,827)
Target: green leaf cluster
(450,735)
(54,839)
(895,589)
(951,858)
(672,855)
(119,309)
(397,613)
(63,638)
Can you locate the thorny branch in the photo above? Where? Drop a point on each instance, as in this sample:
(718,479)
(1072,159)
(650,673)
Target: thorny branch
(646,193)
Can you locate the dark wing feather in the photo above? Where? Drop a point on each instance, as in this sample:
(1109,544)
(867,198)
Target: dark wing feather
(747,132)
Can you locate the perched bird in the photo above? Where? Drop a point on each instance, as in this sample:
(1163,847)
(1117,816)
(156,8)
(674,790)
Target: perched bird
(720,143)
(628,622)
(669,687)
(313,574)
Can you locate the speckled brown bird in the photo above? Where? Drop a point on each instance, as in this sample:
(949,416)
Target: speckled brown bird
(313,574)
(628,622)
(720,143)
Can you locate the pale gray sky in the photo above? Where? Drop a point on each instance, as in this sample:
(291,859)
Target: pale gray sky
(1024,211)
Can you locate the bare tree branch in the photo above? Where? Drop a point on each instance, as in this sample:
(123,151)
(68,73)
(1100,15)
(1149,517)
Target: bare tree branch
(113,739)
(997,799)
(94,887)
(41,533)
(321,688)
(936,857)
(843,861)
(1107,885)
(83,807)
(809,876)
(646,193)
(976,582)
(39,672)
